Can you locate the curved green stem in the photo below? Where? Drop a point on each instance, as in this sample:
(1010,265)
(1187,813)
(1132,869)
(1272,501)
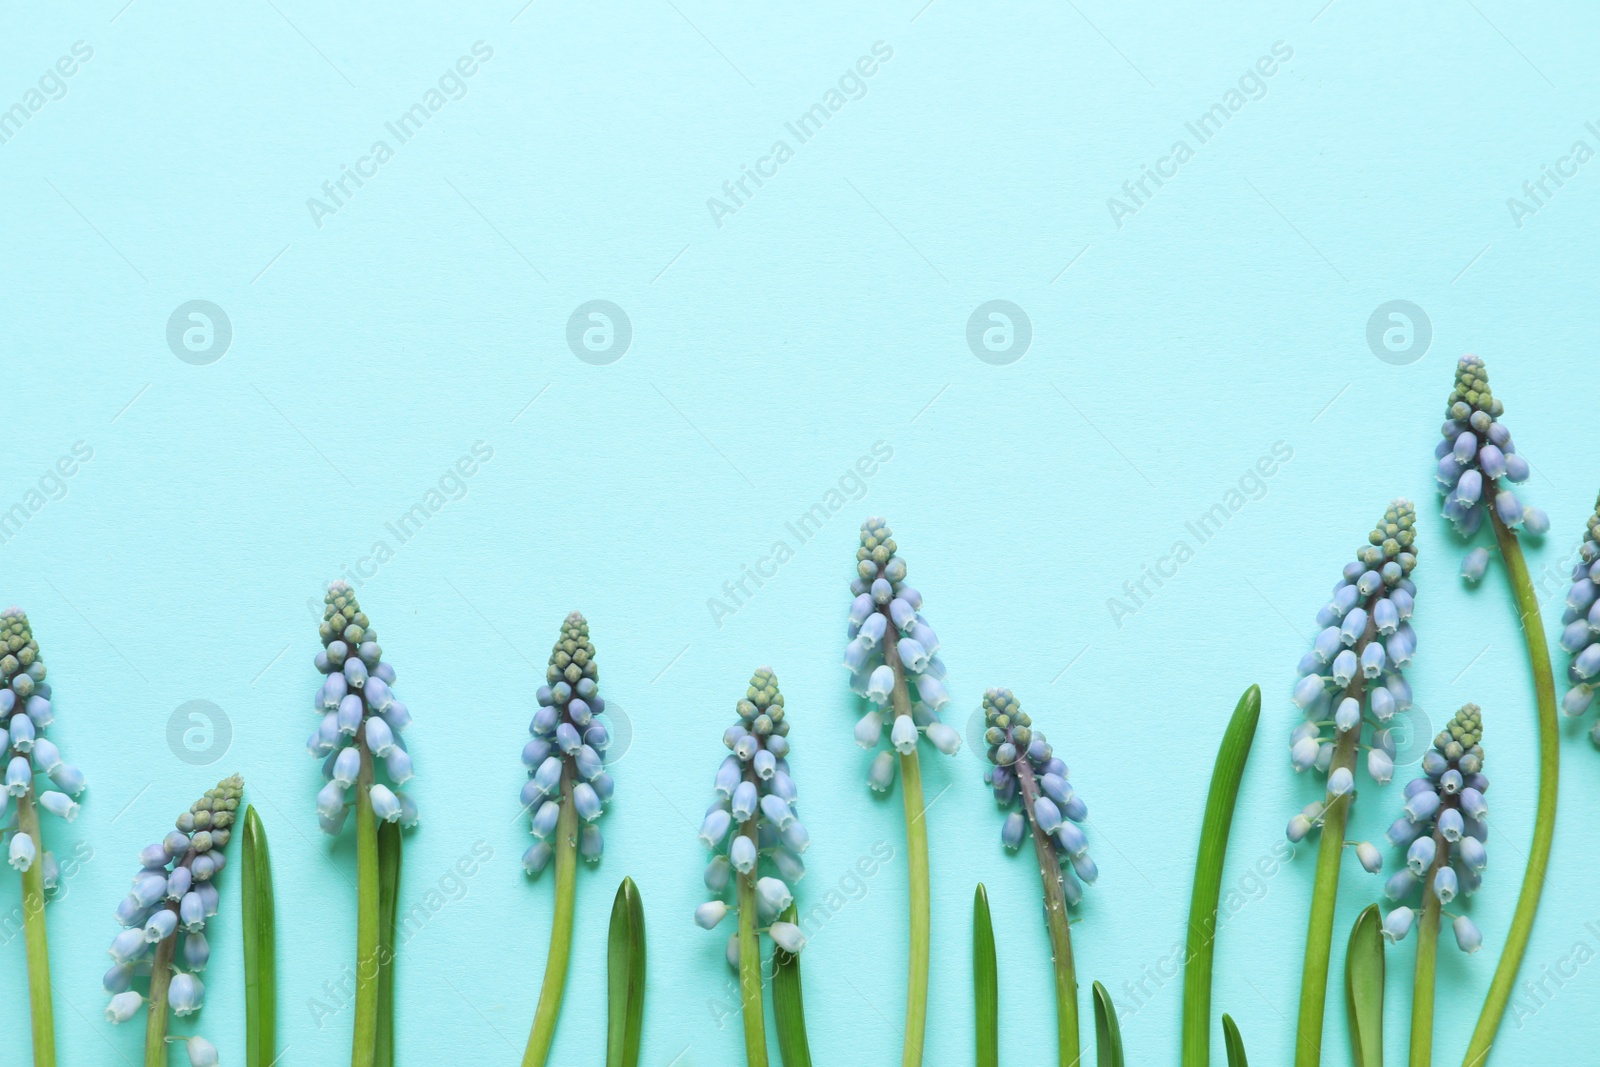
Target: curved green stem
(363,1044)
(36,938)
(1422,994)
(917,865)
(755,1027)
(1055,914)
(1202,936)
(1544,825)
(555,968)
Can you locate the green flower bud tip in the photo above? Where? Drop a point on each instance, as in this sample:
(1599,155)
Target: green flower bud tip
(877,549)
(1393,540)
(1462,735)
(1472,392)
(18,650)
(343,619)
(213,813)
(572,658)
(761,710)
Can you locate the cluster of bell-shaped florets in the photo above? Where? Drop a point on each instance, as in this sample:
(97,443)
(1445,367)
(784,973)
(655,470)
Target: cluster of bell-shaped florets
(1030,784)
(1474,454)
(1353,673)
(25,713)
(893,657)
(755,804)
(361,719)
(175,891)
(565,759)
(1581,637)
(1443,829)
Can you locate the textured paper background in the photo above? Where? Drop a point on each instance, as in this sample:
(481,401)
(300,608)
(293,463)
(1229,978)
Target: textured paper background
(829,312)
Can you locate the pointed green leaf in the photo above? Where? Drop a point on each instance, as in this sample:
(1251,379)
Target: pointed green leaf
(1225,777)
(1234,1043)
(985,981)
(788,1006)
(260,945)
(1363,988)
(1107,1034)
(625,978)
(388,908)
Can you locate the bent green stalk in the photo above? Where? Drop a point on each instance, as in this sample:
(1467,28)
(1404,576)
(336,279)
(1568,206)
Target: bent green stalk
(1544,824)
(543,1033)
(37,939)
(1202,936)
(755,1028)
(1060,926)
(917,868)
(363,1045)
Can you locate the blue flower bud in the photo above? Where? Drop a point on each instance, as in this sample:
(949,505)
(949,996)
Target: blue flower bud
(385,805)
(880,774)
(545,819)
(160,926)
(719,871)
(586,801)
(1397,924)
(744,801)
(1444,885)
(709,914)
(775,809)
(1473,853)
(743,854)
(186,994)
(1369,857)
(124,1006)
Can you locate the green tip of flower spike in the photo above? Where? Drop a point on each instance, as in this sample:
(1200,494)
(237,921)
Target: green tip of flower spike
(1594,523)
(21,652)
(877,549)
(761,710)
(1461,737)
(1004,720)
(572,658)
(1472,392)
(1394,540)
(209,819)
(342,617)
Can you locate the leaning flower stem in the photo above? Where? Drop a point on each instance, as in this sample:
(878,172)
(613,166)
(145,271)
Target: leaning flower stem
(363,1047)
(755,1028)
(1325,891)
(1427,955)
(917,864)
(555,968)
(155,1030)
(1055,911)
(1544,825)
(44,1029)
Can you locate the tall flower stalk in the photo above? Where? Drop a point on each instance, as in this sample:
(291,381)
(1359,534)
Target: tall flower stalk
(1351,678)
(1026,774)
(893,653)
(756,841)
(1474,455)
(566,792)
(25,713)
(360,730)
(175,890)
(1443,832)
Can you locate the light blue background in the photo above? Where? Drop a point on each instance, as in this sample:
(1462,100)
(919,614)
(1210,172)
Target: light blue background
(828,313)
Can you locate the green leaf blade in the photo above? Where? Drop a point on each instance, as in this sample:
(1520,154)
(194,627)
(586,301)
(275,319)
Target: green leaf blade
(260,945)
(788,1003)
(985,981)
(1234,1042)
(1363,988)
(625,971)
(1107,1032)
(388,908)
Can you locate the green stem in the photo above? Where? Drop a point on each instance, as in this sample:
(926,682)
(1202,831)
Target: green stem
(555,968)
(155,1030)
(1325,890)
(1544,825)
(363,1044)
(1055,913)
(755,1028)
(38,944)
(1422,995)
(917,864)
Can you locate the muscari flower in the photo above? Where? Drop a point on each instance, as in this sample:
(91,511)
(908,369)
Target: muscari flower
(361,719)
(1031,785)
(1475,452)
(175,890)
(566,754)
(885,620)
(1444,828)
(1581,635)
(1352,675)
(25,751)
(754,801)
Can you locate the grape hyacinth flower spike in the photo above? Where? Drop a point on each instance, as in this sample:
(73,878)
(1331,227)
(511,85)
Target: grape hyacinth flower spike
(1580,637)
(756,840)
(1350,679)
(25,715)
(175,891)
(1442,834)
(566,792)
(358,733)
(1030,784)
(1475,454)
(893,659)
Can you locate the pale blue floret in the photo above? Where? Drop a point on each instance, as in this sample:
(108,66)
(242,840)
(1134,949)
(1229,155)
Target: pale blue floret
(1397,924)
